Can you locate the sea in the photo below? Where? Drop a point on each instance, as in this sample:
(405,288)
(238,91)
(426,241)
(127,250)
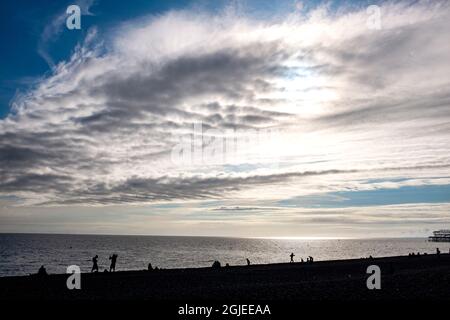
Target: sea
(23,254)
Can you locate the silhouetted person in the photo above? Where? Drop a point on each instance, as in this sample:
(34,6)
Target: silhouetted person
(42,271)
(149,267)
(438,252)
(113,259)
(302,260)
(94,264)
(216,265)
(248,262)
(292,255)
(311,260)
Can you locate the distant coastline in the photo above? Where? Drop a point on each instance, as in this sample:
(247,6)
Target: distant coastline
(214,236)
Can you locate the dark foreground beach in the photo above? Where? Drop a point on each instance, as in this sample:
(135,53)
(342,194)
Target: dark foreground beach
(402,278)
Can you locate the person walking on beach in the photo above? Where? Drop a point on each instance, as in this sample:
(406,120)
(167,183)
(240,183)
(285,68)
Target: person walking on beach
(248,262)
(438,252)
(113,259)
(292,257)
(94,264)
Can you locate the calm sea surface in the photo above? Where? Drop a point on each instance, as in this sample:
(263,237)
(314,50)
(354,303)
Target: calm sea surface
(22,254)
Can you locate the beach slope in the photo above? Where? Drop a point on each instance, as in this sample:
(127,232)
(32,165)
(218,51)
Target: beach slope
(402,278)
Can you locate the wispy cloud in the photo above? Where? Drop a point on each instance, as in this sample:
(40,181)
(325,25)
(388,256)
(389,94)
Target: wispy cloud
(55,27)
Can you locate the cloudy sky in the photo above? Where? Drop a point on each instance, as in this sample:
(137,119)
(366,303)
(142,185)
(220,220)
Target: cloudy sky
(231,118)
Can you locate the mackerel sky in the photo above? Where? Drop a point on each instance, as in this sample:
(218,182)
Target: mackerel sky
(227,118)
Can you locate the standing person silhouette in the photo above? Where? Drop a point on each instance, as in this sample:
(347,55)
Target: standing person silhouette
(94,264)
(113,259)
(248,262)
(292,257)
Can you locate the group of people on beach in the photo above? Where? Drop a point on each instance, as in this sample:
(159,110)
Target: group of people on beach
(113,258)
(438,253)
(216,263)
(112,267)
(308,259)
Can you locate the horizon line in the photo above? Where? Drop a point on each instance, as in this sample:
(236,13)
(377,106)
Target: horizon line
(215,236)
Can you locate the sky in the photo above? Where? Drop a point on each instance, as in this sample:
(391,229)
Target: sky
(226,118)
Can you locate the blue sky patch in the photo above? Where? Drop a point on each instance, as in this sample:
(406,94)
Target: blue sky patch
(378,197)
